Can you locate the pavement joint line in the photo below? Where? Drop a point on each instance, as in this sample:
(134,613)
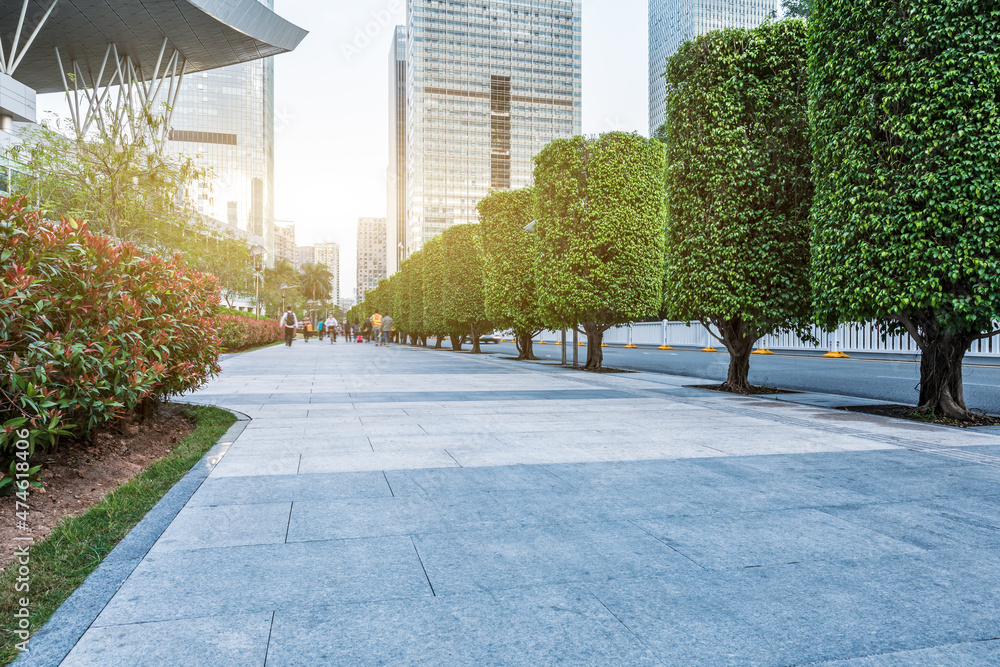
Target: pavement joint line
(453,458)
(421,560)
(56,639)
(291,508)
(267,646)
(624,625)
(386,478)
(906,443)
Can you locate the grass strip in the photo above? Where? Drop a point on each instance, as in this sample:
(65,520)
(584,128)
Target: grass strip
(78,544)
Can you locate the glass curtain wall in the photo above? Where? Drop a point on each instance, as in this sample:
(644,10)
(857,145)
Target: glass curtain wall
(488,85)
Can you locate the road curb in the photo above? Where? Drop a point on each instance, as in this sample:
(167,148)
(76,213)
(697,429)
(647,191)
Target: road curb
(53,642)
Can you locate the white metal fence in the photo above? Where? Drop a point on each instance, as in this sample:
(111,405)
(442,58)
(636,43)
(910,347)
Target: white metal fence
(847,338)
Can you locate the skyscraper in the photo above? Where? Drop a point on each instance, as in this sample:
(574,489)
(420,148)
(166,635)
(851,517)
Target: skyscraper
(488,84)
(305,254)
(224,118)
(671,22)
(371,254)
(396,176)
(328,253)
(285,249)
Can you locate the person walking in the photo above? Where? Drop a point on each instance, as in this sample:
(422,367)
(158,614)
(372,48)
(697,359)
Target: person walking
(289,321)
(377,328)
(386,329)
(366,329)
(331,329)
(320,328)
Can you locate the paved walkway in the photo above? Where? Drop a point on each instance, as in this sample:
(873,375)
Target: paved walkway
(408,506)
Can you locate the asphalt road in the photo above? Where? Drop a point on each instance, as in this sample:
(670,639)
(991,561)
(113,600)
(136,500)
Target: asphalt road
(887,380)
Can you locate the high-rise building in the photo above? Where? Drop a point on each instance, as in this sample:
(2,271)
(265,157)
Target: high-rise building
(396,173)
(488,84)
(305,254)
(371,254)
(285,249)
(328,253)
(224,119)
(671,22)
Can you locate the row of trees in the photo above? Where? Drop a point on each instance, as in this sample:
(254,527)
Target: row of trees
(843,169)
(591,260)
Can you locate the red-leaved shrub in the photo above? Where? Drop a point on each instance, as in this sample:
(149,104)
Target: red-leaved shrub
(91,329)
(240,332)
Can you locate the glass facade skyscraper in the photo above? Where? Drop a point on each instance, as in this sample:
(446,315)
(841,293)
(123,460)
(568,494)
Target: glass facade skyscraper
(371,263)
(224,119)
(671,22)
(396,176)
(488,84)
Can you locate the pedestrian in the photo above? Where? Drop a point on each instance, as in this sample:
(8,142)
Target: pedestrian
(306,328)
(320,328)
(331,329)
(366,329)
(386,329)
(377,328)
(289,321)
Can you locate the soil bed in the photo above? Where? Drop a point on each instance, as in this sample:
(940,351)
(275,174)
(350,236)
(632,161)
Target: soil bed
(77,475)
(910,413)
(754,390)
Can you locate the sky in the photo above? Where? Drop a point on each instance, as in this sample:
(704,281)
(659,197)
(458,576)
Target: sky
(332,108)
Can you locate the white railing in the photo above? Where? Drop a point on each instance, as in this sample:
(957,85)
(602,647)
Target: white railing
(847,338)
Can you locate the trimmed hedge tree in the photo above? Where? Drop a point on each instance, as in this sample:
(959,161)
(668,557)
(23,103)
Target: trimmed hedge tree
(432,278)
(508,260)
(905,101)
(464,304)
(600,215)
(738,186)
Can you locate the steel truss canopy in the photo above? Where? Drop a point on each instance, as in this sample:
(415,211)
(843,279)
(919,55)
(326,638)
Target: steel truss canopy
(206,33)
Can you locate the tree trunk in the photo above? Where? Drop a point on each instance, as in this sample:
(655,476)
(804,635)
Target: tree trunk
(739,342)
(456,341)
(525,349)
(475,340)
(440,339)
(595,353)
(941,390)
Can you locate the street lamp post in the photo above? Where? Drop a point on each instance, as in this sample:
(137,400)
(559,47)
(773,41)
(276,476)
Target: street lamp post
(258,251)
(283,288)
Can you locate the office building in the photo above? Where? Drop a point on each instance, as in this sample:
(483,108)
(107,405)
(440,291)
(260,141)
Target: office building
(488,84)
(328,254)
(100,54)
(285,249)
(305,254)
(396,173)
(371,266)
(671,22)
(224,119)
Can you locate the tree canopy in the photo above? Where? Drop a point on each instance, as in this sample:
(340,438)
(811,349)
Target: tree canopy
(600,209)
(508,263)
(738,186)
(906,216)
(464,304)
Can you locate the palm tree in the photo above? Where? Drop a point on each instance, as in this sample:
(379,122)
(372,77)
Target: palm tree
(315,280)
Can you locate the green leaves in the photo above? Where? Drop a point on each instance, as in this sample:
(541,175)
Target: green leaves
(599,248)
(508,260)
(906,135)
(738,178)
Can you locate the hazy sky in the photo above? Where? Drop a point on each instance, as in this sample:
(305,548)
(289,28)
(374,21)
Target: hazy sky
(332,108)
